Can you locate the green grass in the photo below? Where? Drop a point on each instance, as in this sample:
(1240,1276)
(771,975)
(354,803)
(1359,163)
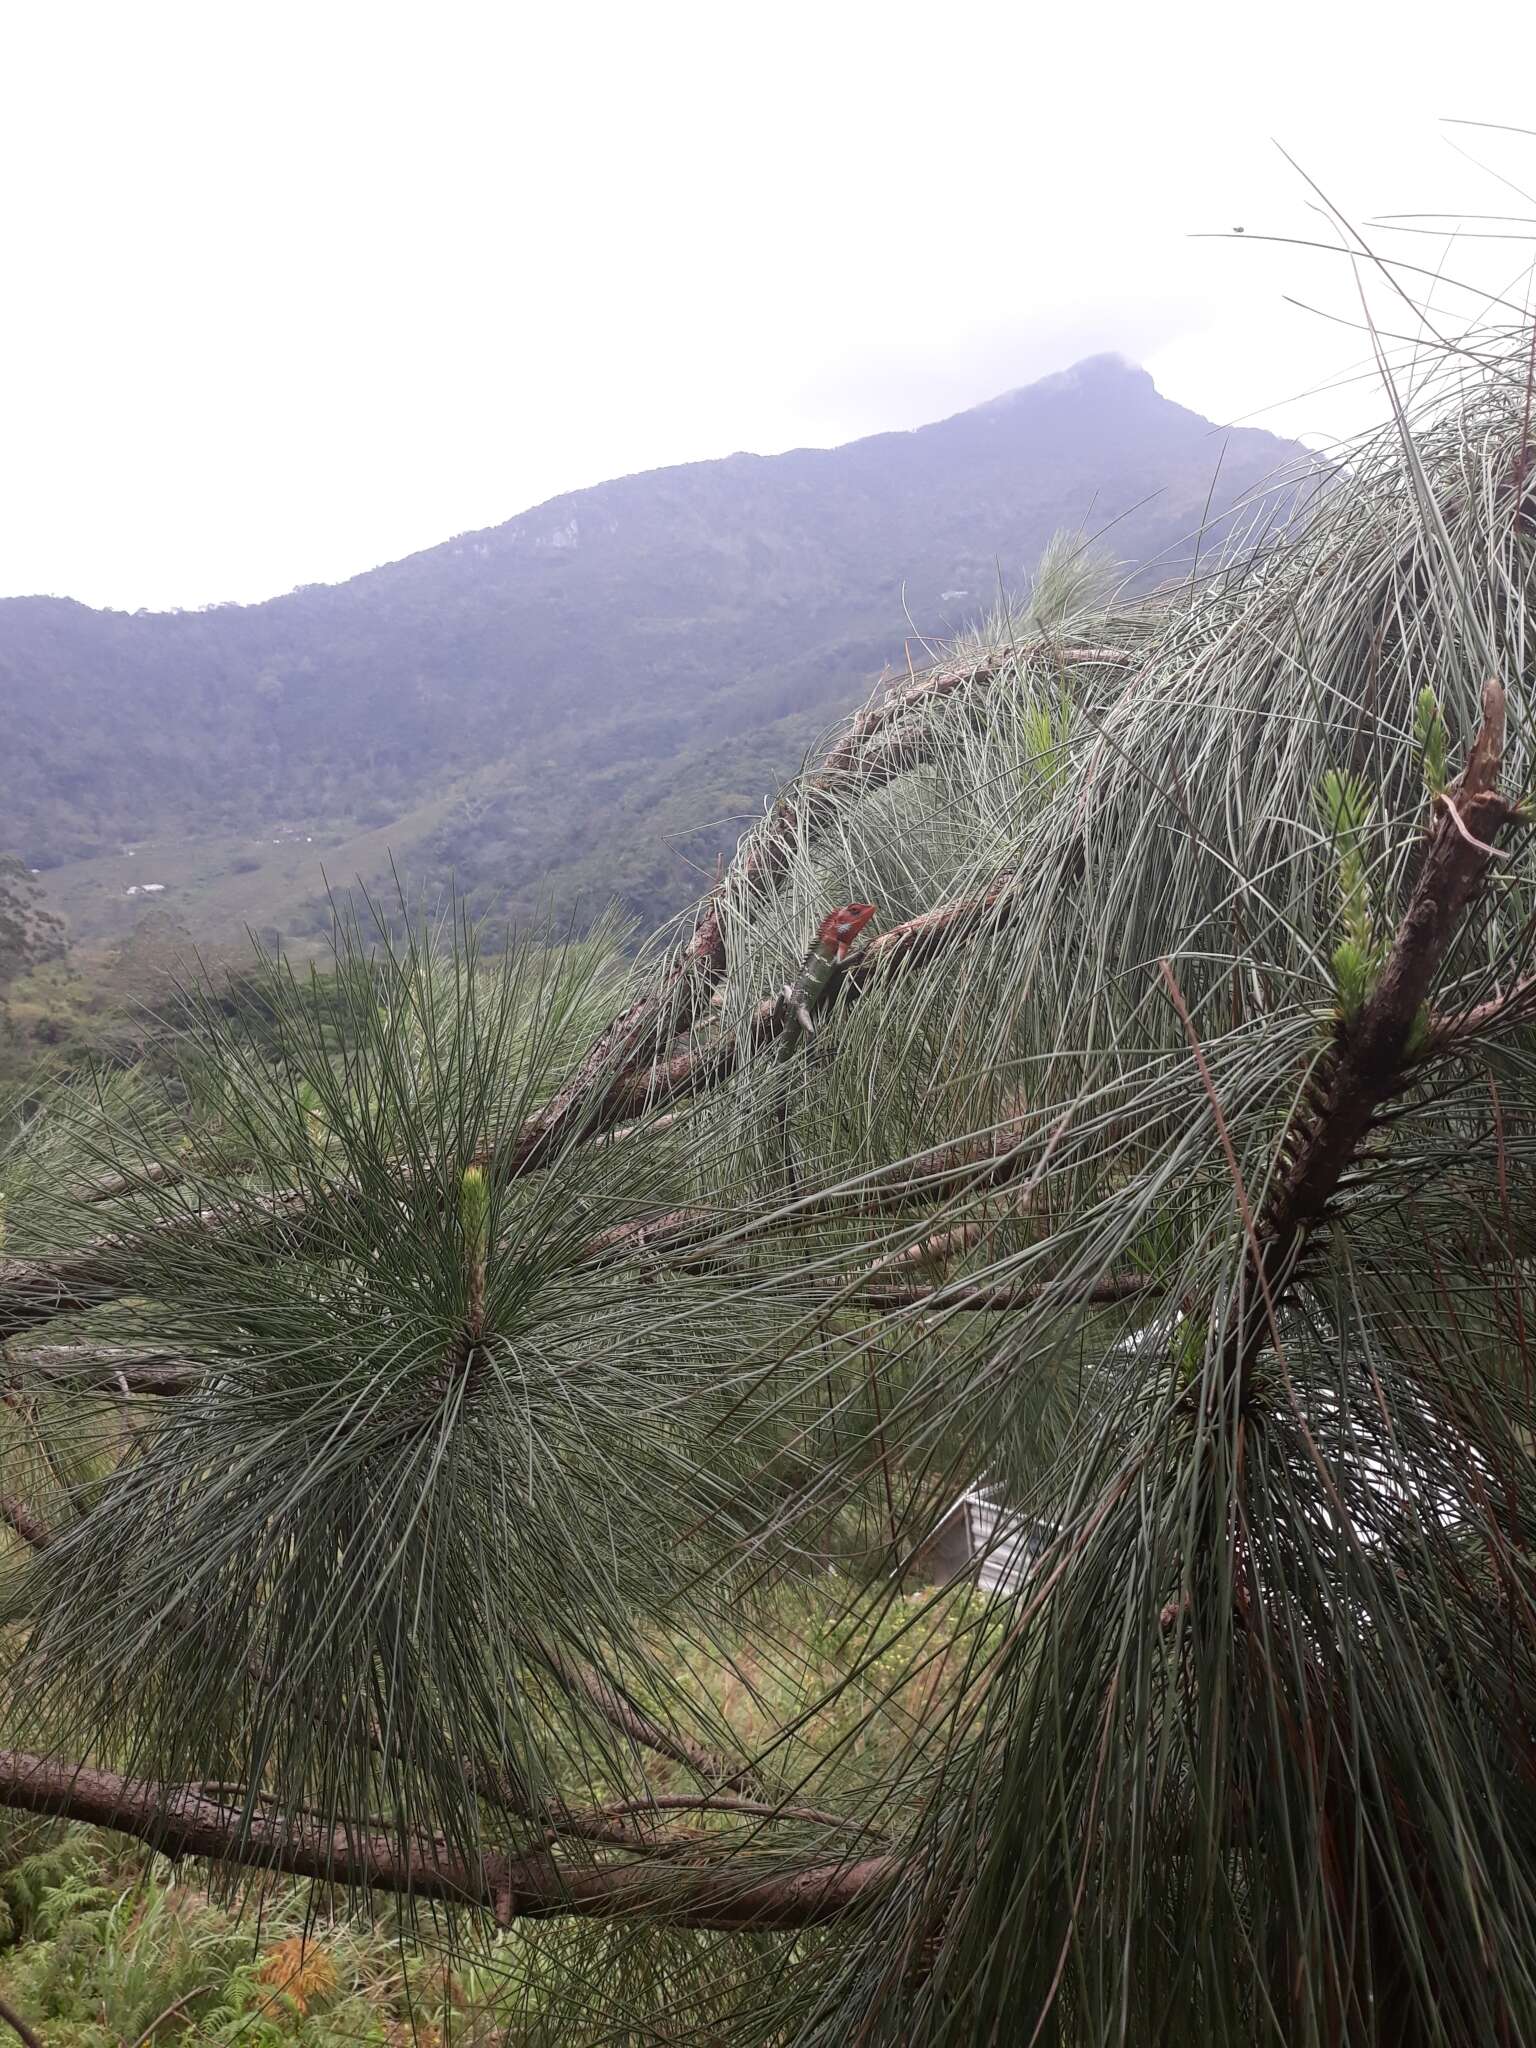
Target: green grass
(220,887)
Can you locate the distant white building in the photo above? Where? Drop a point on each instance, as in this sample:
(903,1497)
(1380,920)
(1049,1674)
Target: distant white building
(978,1536)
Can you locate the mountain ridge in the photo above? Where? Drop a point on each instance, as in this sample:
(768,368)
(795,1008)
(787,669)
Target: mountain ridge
(521,703)
(1089,369)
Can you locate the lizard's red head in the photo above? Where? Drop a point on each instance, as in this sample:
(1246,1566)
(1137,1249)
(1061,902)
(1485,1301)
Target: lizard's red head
(841,929)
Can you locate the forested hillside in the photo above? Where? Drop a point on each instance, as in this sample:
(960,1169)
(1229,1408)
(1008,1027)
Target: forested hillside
(578,703)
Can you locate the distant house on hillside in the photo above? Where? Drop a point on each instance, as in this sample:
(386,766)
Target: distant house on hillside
(978,1536)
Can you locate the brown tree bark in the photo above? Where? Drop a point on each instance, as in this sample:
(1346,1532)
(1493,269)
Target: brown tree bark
(732,1895)
(1375,1054)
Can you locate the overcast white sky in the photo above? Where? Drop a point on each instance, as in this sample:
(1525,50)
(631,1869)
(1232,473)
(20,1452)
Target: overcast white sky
(293,289)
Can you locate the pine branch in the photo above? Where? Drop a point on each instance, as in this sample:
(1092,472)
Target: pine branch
(28,1526)
(602,1824)
(920,939)
(1511,1010)
(635,1039)
(89,1372)
(932,1176)
(755,1809)
(84,1369)
(721,1773)
(714,1770)
(1374,1055)
(729,1895)
(981,1299)
(34,1291)
(944,680)
(147,2034)
(936,1250)
(18,2025)
(639,1038)
(155,1173)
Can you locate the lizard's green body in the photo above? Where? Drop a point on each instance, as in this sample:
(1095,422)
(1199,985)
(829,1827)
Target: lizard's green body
(817,979)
